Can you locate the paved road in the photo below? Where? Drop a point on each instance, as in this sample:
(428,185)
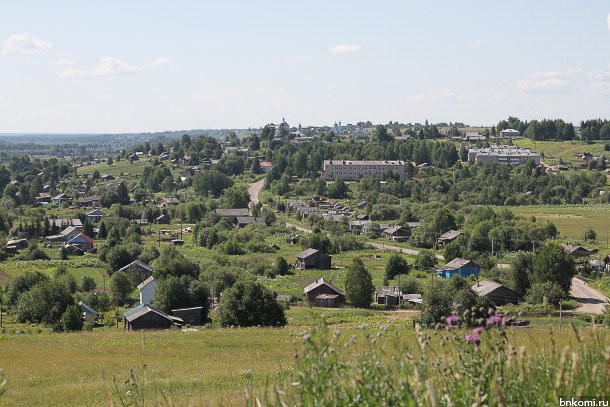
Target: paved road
(254,190)
(593,302)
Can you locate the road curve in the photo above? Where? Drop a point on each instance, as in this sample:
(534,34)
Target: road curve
(593,301)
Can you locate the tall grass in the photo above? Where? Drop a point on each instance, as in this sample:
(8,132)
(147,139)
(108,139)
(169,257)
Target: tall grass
(443,369)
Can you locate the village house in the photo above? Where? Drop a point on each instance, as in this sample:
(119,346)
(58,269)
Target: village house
(322,293)
(313,259)
(12,246)
(147,290)
(191,316)
(141,270)
(232,213)
(266,166)
(89,314)
(460,267)
(243,221)
(84,242)
(145,317)
(64,236)
(43,197)
(448,237)
(64,223)
(61,199)
(165,202)
(496,292)
(89,201)
(162,220)
(578,251)
(95,215)
(397,233)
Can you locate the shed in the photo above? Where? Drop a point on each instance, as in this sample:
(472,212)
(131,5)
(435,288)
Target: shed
(191,316)
(145,317)
(232,213)
(388,295)
(243,221)
(95,215)
(313,259)
(162,220)
(141,270)
(322,286)
(497,293)
(578,251)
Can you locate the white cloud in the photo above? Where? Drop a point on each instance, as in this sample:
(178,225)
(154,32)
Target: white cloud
(25,44)
(547,81)
(344,49)
(107,66)
(476,44)
(160,61)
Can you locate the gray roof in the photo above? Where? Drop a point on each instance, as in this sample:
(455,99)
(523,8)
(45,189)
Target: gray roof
(87,309)
(457,263)
(145,309)
(307,252)
(233,212)
(249,220)
(450,235)
(146,282)
(485,287)
(362,162)
(320,282)
(136,263)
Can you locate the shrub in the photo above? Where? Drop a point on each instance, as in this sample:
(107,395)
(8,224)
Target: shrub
(88,284)
(425,259)
(71,319)
(410,285)
(248,303)
(396,265)
(538,291)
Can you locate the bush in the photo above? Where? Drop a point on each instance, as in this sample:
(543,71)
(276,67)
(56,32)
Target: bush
(88,284)
(410,285)
(72,320)
(538,291)
(248,303)
(396,265)
(425,259)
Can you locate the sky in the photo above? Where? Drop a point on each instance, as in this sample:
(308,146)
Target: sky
(149,65)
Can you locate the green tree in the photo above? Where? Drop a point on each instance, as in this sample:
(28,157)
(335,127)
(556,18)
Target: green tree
(521,268)
(396,265)
(381,134)
(237,197)
(173,263)
(426,259)
(549,290)
(109,161)
(358,284)
(120,288)
(281,266)
(553,264)
(248,303)
(590,235)
(88,284)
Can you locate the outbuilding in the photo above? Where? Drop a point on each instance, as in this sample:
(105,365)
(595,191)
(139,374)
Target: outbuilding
(313,259)
(322,293)
(497,293)
(191,316)
(145,317)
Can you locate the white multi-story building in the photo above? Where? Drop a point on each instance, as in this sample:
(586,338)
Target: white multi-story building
(348,170)
(503,155)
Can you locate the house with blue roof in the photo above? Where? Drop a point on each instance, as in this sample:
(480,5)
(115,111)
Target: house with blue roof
(459,267)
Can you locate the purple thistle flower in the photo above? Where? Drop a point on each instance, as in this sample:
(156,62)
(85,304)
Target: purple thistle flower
(473,339)
(478,330)
(494,320)
(451,320)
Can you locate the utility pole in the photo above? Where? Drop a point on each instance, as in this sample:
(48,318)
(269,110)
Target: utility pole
(1,312)
(492,247)
(560,316)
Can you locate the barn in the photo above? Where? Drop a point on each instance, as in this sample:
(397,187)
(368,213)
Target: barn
(313,259)
(191,316)
(496,292)
(322,293)
(145,317)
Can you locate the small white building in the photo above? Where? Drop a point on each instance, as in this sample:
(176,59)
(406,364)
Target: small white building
(147,290)
(510,133)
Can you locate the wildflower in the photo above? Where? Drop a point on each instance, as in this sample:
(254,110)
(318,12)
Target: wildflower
(451,320)
(478,330)
(494,320)
(473,339)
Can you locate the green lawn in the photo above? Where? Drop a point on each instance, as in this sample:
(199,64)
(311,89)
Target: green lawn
(563,149)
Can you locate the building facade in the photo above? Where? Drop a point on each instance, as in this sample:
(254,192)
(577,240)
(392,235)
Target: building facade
(349,170)
(503,155)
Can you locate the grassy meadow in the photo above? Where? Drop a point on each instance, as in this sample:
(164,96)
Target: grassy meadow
(210,366)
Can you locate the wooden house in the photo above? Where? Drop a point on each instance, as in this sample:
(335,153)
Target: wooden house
(147,290)
(448,237)
(397,233)
(145,317)
(322,293)
(313,259)
(496,292)
(140,270)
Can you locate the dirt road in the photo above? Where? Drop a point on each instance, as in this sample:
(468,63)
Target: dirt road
(254,190)
(593,301)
